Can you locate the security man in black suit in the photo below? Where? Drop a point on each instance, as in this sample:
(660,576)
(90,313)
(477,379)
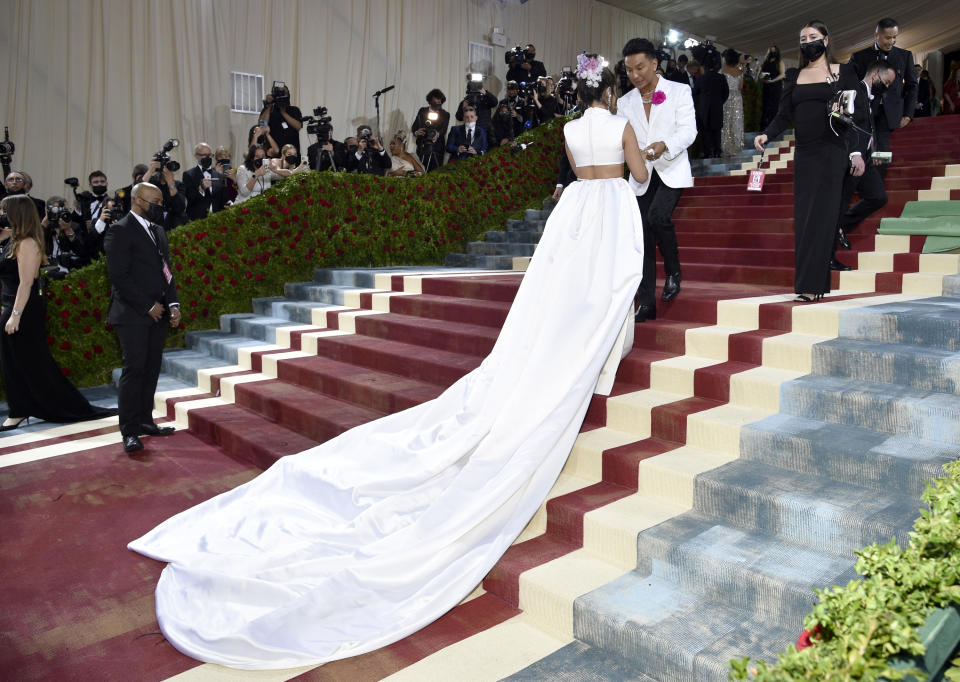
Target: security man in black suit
(900,100)
(864,176)
(709,94)
(205,188)
(143,301)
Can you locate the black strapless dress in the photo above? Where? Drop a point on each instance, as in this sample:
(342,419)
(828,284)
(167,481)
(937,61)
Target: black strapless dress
(35,385)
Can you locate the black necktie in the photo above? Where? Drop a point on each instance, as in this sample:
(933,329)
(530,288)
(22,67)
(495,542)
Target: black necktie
(469,137)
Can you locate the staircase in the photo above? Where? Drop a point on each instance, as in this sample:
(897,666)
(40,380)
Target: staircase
(749,444)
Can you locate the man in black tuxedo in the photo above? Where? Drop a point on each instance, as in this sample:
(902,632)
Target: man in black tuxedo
(864,176)
(205,188)
(468,139)
(709,94)
(899,102)
(143,300)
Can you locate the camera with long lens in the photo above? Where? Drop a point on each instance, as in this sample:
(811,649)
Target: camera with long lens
(163,156)
(6,148)
(567,89)
(474,87)
(85,196)
(431,133)
(524,101)
(319,125)
(365,134)
(281,95)
(518,55)
(57,213)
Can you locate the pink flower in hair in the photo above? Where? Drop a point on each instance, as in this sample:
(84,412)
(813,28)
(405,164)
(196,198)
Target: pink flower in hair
(658,97)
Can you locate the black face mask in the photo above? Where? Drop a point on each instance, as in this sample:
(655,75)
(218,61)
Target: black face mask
(878,88)
(352,148)
(205,162)
(292,159)
(99,190)
(813,49)
(154,213)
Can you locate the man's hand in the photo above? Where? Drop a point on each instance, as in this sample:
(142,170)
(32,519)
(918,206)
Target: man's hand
(471,150)
(328,147)
(152,168)
(904,121)
(877,162)
(857,166)
(654,151)
(462,149)
(155,312)
(206,183)
(361,146)
(557,192)
(175,316)
(169,181)
(419,132)
(375,143)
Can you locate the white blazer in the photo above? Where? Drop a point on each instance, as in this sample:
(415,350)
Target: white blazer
(672,122)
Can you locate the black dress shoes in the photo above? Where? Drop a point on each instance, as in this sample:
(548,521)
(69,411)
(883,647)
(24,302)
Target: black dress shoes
(131,444)
(154,430)
(842,240)
(644,313)
(837,265)
(671,287)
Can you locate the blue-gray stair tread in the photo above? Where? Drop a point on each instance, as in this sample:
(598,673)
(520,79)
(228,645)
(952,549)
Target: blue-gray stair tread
(184,364)
(882,407)
(815,511)
(750,570)
(920,367)
(851,454)
(672,634)
(933,322)
(219,344)
(579,662)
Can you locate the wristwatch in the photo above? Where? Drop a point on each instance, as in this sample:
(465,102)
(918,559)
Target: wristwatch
(14,311)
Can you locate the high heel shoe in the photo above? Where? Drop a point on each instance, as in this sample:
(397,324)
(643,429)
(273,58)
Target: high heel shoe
(10,427)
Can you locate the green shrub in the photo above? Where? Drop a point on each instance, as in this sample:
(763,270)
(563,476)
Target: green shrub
(307,221)
(861,626)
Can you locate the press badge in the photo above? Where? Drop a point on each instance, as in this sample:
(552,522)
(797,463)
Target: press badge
(167,274)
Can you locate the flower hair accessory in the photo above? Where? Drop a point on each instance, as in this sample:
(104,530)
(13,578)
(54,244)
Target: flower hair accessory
(589,69)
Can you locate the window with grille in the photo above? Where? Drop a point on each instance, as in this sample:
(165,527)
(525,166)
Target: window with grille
(480,58)
(247,91)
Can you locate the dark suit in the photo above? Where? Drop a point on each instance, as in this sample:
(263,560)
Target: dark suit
(900,100)
(135,263)
(709,94)
(458,137)
(200,200)
(873,195)
(320,159)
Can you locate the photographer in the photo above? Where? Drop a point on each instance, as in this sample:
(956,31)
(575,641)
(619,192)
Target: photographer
(430,128)
(16,183)
(545,101)
(567,92)
(288,163)
(113,209)
(508,121)
(261,135)
(254,176)
(523,64)
(89,204)
(66,243)
(174,202)
(221,164)
(467,140)
(124,193)
(483,102)
(284,119)
(204,188)
(370,157)
(331,155)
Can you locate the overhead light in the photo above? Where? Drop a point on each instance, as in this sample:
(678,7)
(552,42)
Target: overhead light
(476,77)
(673,36)
(690,42)
(603,62)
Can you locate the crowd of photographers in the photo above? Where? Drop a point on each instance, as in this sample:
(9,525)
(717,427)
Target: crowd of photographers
(74,228)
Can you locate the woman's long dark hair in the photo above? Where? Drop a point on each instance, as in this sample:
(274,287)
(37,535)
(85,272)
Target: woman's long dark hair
(248,157)
(822,29)
(24,223)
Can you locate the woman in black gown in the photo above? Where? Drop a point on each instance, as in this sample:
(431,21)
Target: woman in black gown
(35,385)
(771,75)
(820,161)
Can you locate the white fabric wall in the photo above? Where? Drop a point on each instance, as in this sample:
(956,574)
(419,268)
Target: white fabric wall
(102,83)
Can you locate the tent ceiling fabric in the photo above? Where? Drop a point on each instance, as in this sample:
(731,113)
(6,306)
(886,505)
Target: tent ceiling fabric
(925,25)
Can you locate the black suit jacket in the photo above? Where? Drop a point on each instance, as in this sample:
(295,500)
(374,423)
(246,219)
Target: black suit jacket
(901,99)
(199,200)
(864,110)
(709,94)
(135,265)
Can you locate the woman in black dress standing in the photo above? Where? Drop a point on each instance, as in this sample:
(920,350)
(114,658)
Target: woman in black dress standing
(35,385)
(772,74)
(820,161)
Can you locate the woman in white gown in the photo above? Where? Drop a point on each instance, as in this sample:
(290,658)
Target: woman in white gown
(367,538)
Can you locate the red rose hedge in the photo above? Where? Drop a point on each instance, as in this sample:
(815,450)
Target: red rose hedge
(308,221)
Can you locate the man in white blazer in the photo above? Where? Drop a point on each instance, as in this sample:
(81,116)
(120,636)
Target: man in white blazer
(662,115)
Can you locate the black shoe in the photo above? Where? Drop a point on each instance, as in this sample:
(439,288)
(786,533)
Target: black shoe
(644,313)
(837,265)
(154,430)
(671,288)
(10,427)
(131,444)
(842,240)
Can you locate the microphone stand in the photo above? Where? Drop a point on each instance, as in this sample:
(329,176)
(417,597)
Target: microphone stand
(376,103)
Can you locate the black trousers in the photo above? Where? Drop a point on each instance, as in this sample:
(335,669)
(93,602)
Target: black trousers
(656,210)
(882,142)
(873,197)
(142,347)
(710,139)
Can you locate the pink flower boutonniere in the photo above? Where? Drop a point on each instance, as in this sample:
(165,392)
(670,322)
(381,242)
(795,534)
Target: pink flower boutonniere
(658,97)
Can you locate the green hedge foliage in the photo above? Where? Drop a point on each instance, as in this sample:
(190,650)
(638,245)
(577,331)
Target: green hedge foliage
(308,221)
